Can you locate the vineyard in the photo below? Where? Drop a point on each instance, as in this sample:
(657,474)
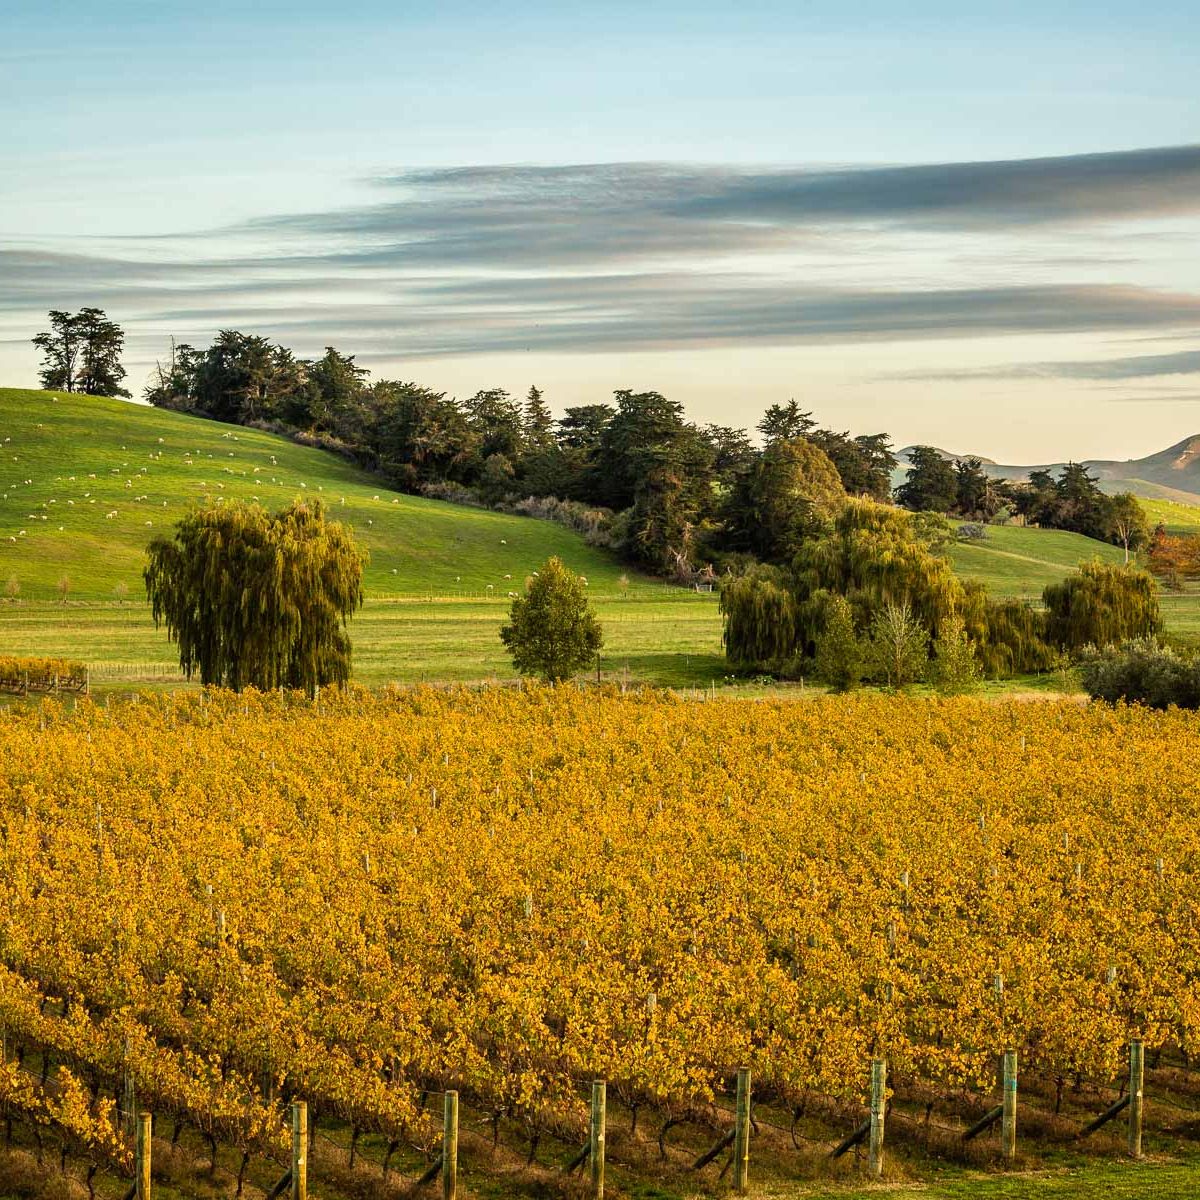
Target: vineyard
(212,906)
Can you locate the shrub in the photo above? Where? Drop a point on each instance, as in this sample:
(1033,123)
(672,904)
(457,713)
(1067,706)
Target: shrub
(898,651)
(839,659)
(593,524)
(972,531)
(1141,672)
(955,667)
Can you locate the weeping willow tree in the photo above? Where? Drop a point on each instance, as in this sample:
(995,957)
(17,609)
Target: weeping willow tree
(1101,605)
(1009,636)
(255,599)
(874,557)
(760,619)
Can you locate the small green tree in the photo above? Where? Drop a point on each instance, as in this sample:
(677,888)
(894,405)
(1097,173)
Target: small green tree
(955,667)
(898,650)
(552,631)
(839,659)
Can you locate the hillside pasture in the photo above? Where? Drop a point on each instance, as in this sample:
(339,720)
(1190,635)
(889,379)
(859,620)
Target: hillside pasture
(1013,561)
(86,482)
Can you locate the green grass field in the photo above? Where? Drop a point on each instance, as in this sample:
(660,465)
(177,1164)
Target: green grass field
(68,462)
(439,577)
(1177,517)
(437,585)
(1018,562)
(670,639)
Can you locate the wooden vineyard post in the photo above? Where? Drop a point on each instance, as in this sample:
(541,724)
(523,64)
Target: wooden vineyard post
(299,1180)
(450,1147)
(1008,1119)
(878,1112)
(741,1134)
(141,1157)
(1137,1073)
(596,1141)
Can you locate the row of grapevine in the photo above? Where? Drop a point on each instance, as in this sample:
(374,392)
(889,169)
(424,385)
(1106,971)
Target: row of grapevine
(221,904)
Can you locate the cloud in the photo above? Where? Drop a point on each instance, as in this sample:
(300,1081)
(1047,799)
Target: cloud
(649,255)
(1141,366)
(1177,398)
(538,215)
(666,312)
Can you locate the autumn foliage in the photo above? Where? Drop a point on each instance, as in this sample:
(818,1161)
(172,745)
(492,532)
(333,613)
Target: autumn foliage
(236,900)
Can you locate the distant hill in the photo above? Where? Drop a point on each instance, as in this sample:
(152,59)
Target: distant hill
(1170,474)
(85,482)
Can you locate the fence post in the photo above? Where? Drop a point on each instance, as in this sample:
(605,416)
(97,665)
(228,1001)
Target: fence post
(1137,1071)
(741,1134)
(596,1141)
(1008,1126)
(141,1155)
(450,1147)
(299,1182)
(878,1112)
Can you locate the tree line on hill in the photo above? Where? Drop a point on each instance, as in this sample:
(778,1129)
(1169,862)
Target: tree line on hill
(820,572)
(1073,501)
(670,495)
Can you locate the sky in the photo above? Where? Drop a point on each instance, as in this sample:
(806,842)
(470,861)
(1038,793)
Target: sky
(973,225)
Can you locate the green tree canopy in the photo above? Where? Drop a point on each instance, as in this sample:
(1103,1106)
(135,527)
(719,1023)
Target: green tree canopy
(255,599)
(931,485)
(551,631)
(1100,605)
(81,352)
(874,557)
(760,618)
(789,495)
(1126,522)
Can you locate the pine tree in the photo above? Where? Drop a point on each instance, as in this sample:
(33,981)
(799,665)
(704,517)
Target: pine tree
(60,353)
(101,344)
(537,423)
(82,353)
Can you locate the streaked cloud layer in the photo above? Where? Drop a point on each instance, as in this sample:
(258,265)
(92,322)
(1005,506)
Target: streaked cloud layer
(952,221)
(621,258)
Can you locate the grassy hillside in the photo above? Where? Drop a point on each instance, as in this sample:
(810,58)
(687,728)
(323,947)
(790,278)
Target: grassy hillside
(1178,517)
(85,483)
(439,576)
(1020,562)
(437,585)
